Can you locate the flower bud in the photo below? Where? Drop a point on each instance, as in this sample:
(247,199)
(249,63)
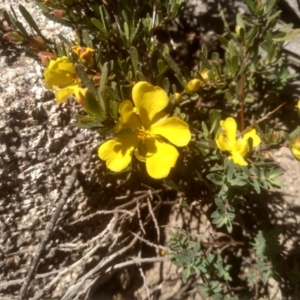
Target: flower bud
(276,137)
(240,31)
(37,44)
(194,85)
(59,13)
(46,57)
(295,148)
(14,37)
(88,101)
(177,97)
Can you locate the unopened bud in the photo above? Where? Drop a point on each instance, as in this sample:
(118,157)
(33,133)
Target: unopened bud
(194,85)
(276,136)
(46,57)
(37,44)
(177,97)
(14,37)
(240,31)
(80,95)
(59,13)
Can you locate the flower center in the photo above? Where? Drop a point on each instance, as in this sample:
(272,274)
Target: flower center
(146,146)
(143,134)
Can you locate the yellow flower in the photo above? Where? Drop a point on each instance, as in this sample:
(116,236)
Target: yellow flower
(60,74)
(144,130)
(238,148)
(295,148)
(84,53)
(194,85)
(298,104)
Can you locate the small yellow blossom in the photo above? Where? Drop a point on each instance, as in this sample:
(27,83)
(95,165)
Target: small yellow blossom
(147,132)
(84,53)
(298,104)
(295,148)
(194,85)
(60,75)
(238,148)
(177,97)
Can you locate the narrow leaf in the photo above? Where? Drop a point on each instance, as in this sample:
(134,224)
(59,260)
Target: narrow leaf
(134,58)
(30,20)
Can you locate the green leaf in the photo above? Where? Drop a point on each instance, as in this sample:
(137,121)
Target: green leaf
(234,64)
(240,21)
(205,129)
(256,186)
(16,23)
(103,12)
(140,76)
(126,30)
(275,15)
(270,6)
(285,37)
(173,65)
(166,85)
(87,39)
(223,40)
(91,105)
(30,20)
(220,204)
(186,274)
(134,58)
(204,62)
(104,75)
(214,118)
(215,178)
(88,122)
(99,26)
(238,182)
(85,79)
(64,40)
(232,49)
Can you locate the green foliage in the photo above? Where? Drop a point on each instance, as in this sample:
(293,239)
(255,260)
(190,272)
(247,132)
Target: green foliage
(243,83)
(194,259)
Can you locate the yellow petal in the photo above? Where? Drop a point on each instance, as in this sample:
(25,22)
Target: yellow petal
(162,160)
(118,152)
(298,104)
(229,126)
(128,116)
(149,100)
(62,94)
(238,159)
(252,134)
(194,85)
(223,143)
(242,147)
(59,73)
(76,49)
(295,148)
(296,153)
(174,130)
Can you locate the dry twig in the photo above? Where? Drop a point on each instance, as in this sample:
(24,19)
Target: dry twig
(49,228)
